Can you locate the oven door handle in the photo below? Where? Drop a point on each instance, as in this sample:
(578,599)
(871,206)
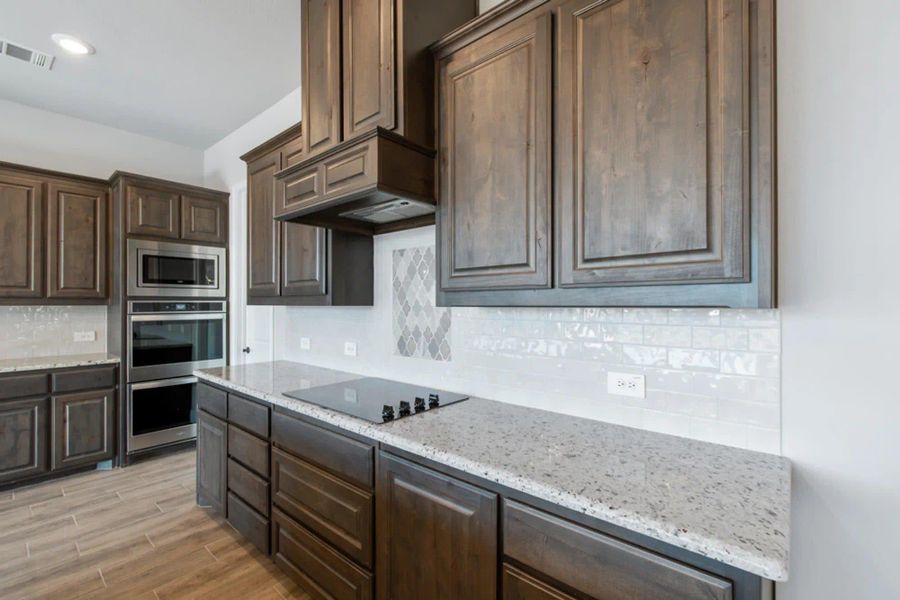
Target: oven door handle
(146,385)
(218,316)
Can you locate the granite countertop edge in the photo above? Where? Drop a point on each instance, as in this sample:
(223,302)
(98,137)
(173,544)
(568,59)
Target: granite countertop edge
(45,363)
(708,546)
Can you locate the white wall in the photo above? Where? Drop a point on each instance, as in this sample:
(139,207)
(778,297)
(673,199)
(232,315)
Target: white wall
(222,165)
(50,140)
(839,238)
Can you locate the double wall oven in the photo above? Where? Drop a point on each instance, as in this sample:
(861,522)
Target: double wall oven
(174,326)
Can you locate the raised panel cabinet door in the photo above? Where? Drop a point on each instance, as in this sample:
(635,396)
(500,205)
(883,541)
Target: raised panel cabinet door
(368,61)
(320,73)
(305,261)
(263,232)
(23,438)
(436,536)
(83,428)
(153,212)
(652,142)
(204,220)
(212,462)
(495,122)
(21,236)
(78,240)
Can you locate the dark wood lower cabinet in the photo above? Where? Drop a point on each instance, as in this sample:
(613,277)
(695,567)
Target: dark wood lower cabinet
(212,436)
(518,585)
(23,443)
(83,428)
(436,536)
(56,421)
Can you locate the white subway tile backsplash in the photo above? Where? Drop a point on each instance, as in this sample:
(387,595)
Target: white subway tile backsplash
(711,374)
(50,330)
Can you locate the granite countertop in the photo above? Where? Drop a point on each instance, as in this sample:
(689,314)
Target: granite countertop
(724,503)
(44,363)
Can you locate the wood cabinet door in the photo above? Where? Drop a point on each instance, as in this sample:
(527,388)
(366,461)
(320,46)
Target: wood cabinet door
(204,220)
(78,240)
(495,123)
(368,61)
(23,438)
(320,73)
(263,232)
(436,536)
(153,212)
(83,428)
(304,269)
(652,142)
(21,236)
(212,462)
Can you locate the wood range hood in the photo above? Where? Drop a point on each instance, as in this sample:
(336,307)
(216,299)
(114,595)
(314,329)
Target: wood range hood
(374,183)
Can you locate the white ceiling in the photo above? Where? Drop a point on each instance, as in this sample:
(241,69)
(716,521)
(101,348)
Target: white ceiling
(186,71)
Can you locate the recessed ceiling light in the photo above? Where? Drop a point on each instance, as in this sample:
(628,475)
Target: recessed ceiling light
(71,44)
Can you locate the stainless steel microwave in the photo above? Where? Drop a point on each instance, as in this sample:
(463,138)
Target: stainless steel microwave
(170,269)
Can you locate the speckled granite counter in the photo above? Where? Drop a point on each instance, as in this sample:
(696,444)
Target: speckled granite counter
(727,504)
(44,363)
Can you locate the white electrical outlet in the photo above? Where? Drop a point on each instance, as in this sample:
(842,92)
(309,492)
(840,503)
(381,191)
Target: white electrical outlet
(626,384)
(85,336)
(304,343)
(350,348)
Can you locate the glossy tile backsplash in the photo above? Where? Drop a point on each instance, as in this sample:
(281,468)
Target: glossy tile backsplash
(27,331)
(710,374)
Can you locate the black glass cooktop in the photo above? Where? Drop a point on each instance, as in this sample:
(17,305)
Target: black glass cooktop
(376,400)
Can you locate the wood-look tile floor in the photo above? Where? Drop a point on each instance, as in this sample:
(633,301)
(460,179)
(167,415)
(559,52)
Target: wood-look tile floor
(132,533)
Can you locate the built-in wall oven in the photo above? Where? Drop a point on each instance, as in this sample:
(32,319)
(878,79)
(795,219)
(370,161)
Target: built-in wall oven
(170,269)
(166,341)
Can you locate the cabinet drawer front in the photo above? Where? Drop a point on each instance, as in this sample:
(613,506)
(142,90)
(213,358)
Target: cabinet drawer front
(251,488)
(518,585)
(347,458)
(599,565)
(352,169)
(212,400)
(338,512)
(248,450)
(248,522)
(302,188)
(248,415)
(20,386)
(314,565)
(84,379)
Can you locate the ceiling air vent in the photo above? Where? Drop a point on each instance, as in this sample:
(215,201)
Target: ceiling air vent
(33,57)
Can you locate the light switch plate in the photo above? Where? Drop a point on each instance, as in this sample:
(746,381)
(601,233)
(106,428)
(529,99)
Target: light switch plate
(85,336)
(350,348)
(626,384)
(304,343)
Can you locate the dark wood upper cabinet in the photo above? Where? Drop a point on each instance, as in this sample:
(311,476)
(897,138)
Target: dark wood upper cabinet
(83,428)
(368,65)
(321,73)
(204,220)
(495,124)
(436,536)
(78,240)
(292,263)
(23,452)
(652,142)
(153,211)
(263,232)
(660,124)
(21,235)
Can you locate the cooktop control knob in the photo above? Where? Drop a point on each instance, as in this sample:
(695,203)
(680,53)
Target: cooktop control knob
(420,404)
(387,413)
(404,408)
(433,401)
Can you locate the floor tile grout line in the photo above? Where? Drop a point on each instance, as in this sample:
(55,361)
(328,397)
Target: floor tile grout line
(102,578)
(152,545)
